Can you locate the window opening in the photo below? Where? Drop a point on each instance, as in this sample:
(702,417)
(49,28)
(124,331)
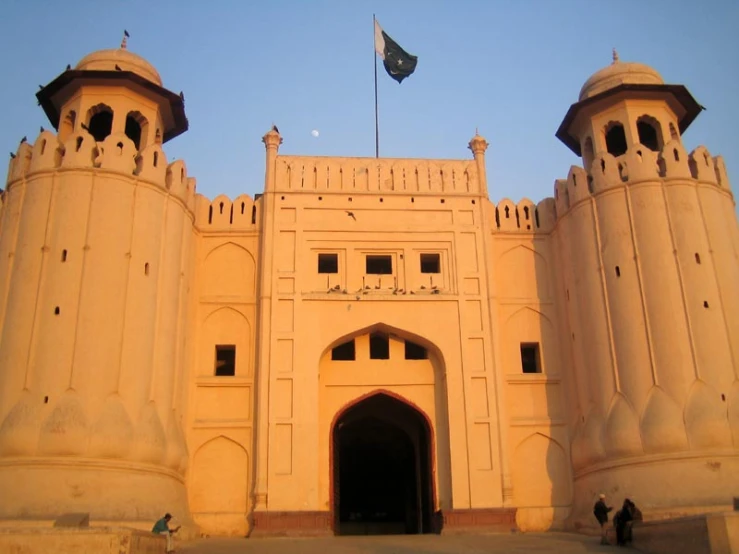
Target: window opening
(616,140)
(345,352)
(618,271)
(697,258)
(379,347)
(379,265)
(133,130)
(530,359)
(430,263)
(57,311)
(649,133)
(225,360)
(328,263)
(253,215)
(64,255)
(101,124)
(146,268)
(415,351)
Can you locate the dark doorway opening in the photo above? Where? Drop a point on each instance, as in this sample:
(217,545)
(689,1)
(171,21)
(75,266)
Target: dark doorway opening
(382,469)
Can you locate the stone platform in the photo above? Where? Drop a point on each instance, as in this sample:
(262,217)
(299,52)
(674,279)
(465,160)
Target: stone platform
(87,540)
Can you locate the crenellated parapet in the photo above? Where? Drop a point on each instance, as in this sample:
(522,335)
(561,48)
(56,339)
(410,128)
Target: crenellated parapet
(639,164)
(222,214)
(524,217)
(116,153)
(298,173)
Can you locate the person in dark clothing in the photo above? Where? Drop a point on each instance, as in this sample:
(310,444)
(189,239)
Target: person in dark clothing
(634,514)
(600,511)
(622,518)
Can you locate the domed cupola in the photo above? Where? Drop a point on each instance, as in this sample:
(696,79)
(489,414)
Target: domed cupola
(623,104)
(89,97)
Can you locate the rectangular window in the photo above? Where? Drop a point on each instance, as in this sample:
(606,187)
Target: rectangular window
(225,360)
(379,265)
(328,263)
(379,347)
(344,352)
(530,359)
(430,263)
(415,351)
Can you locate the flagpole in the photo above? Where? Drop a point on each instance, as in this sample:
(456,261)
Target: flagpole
(374,59)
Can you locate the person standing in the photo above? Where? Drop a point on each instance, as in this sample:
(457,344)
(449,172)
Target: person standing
(600,511)
(161,527)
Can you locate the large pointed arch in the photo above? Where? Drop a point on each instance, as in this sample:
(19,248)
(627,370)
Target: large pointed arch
(396,411)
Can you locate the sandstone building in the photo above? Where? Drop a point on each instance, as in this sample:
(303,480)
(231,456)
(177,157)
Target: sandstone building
(371,345)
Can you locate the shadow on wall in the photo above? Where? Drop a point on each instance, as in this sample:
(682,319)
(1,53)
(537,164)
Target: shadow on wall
(540,467)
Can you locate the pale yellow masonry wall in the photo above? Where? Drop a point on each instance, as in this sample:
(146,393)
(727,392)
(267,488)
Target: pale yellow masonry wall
(118,282)
(650,242)
(96,242)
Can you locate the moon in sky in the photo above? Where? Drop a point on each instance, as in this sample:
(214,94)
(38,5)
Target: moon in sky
(314,132)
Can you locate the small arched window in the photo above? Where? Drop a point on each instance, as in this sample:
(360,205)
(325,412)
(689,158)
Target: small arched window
(650,132)
(100,119)
(615,139)
(136,128)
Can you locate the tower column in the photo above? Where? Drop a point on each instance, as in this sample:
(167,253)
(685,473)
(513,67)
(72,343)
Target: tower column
(272,141)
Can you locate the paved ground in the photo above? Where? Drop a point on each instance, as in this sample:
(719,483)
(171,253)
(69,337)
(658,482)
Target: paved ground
(549,543)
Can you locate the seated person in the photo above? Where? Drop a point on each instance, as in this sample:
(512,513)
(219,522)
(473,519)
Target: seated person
(161,527)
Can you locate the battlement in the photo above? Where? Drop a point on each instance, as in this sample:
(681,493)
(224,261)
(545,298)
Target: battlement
(639,164)
(298,173)
(223,215)
(525,217)
(116,153)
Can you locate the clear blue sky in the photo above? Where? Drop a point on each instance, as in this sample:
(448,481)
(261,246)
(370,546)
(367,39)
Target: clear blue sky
(511,68)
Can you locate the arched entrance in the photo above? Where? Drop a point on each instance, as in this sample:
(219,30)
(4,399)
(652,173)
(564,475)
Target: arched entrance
(382,469)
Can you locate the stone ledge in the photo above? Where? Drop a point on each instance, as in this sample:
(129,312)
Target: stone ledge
(479,519)
(97,540)
(291,524)
(714,533)
(318,523)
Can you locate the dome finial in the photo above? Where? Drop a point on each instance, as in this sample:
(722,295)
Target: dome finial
(124,42)
(615,56)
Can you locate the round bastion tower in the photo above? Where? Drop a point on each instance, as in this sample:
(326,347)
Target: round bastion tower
(649,243)
(95,263)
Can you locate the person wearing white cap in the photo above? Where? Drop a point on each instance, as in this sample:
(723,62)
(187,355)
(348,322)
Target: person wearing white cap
(600,511)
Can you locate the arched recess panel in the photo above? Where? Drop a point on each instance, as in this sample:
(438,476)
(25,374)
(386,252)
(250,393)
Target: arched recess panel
(225,327)
(229,271)
(523,273)
(219,484)
(530,327)
(541,477)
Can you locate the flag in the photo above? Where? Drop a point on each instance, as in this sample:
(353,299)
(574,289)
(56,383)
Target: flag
(398,63)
